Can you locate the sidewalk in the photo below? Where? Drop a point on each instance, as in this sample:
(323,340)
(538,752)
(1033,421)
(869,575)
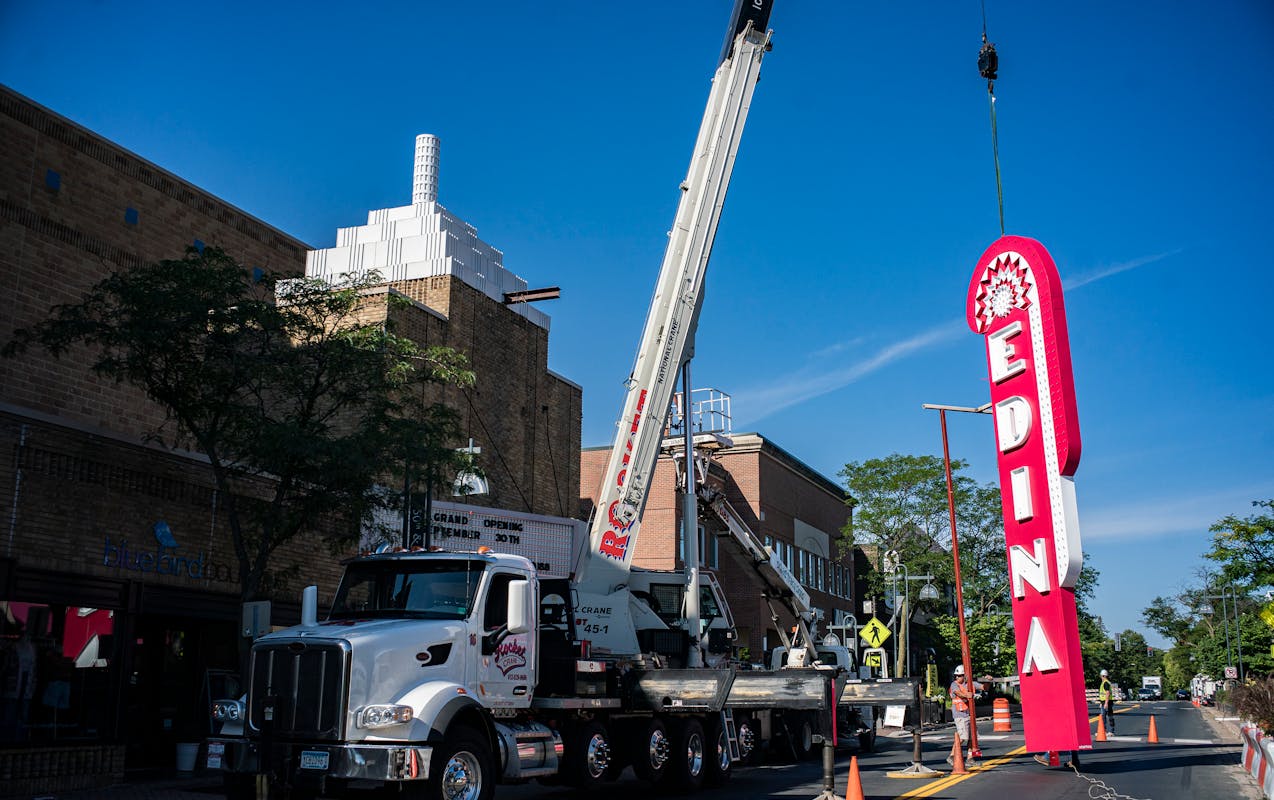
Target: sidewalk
(1227,725)
(195,787)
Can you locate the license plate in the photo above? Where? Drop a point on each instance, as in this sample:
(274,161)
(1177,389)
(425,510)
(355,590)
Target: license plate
(216,751)
(314,759)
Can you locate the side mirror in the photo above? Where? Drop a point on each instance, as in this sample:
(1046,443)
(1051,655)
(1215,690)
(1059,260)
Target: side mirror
(520,604)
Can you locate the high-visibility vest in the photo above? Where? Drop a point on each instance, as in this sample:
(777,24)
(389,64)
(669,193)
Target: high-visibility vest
(1104,693)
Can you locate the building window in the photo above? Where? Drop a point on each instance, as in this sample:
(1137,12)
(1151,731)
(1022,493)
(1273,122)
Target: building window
(54,670)
(199,246)
(707,548)
(53,180)
(130,216)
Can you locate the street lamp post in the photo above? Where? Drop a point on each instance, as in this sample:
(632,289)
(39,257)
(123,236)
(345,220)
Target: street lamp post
(1238,629)
(955,557)
(900,613)
(1229,593)
(906,606)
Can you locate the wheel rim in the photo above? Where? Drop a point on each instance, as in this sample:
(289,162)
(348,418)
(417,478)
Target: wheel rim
(658,749)
(597,756)
(723,752)
(747,740)
(694,754)
(462,777)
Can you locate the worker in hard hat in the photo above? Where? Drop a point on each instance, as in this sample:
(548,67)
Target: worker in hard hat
(1106,696)
(962,691)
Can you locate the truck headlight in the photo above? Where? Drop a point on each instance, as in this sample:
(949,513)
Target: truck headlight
(227,711)
(384,716)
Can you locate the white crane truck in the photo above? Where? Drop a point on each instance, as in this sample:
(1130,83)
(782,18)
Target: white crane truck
(440,674)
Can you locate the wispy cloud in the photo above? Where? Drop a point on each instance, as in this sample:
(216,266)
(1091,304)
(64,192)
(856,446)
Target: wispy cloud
(1175,515)
(815,379)
(1114,269)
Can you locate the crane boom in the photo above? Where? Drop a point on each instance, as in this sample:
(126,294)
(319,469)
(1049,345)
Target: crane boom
(667,337)
(779,582)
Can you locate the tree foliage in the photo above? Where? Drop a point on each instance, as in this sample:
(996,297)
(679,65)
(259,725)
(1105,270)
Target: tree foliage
(900,504)
(1209,624)
(1244,548)
(300,405)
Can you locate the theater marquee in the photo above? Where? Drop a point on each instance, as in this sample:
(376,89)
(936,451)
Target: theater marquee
(1015,302)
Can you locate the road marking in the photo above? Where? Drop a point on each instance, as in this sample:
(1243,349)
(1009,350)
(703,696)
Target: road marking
(1192,741)
(1218,719)
(951,780)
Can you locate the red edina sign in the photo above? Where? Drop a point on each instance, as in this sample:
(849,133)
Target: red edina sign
(1015,302)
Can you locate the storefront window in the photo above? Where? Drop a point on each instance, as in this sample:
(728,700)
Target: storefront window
(54,671)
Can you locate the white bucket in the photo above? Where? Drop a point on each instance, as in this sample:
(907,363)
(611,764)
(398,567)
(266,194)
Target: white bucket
(187,753)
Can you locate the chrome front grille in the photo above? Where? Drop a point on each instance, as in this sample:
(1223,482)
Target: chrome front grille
(298,689)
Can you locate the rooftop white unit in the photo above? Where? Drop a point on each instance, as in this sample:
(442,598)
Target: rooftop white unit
(421,240)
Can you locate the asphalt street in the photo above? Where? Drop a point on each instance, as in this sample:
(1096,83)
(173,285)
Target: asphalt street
(1196,757)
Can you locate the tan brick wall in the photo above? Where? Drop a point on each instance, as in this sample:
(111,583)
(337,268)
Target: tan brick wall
(526,419)
(56,244)
(85,477)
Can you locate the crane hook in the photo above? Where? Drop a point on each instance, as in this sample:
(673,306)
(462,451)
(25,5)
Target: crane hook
(988,61)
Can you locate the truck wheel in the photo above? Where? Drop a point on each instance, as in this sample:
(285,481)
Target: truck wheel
(587,759)
(461,769)
(803,738)
(688,761)
(717,764)
(651,748)
(749,734)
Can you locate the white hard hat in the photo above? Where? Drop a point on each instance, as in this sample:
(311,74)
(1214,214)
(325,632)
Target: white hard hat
(1104,673)
(960,669)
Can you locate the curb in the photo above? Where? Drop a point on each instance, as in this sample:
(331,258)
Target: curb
(1258,757)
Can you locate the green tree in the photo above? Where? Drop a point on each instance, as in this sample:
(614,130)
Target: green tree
(1245,547)
(900,504)
(300,406)
(1217,623)
(1165,616)
(991,644)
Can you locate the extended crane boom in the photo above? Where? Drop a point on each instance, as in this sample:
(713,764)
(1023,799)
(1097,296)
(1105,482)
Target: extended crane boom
(780,584)
(602,608)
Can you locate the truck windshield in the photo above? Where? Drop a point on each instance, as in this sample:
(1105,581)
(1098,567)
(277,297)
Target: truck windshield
(435,589)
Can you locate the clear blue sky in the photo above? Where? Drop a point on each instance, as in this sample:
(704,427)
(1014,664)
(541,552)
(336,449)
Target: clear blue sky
(1136,144)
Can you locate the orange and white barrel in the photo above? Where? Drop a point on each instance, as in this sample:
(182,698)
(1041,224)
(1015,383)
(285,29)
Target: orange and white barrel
(1000,716)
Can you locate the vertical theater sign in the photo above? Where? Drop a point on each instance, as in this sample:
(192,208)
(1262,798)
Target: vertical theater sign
(1015,303)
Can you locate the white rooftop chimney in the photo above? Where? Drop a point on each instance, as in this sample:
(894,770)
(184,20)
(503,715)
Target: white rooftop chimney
(424,187)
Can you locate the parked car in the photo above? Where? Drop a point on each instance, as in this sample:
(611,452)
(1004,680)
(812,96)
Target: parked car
(1183,694)
(1145,693)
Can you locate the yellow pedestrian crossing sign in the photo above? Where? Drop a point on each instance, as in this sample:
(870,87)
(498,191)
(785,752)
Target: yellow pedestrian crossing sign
(1267,614)
(874,633)
(872,660)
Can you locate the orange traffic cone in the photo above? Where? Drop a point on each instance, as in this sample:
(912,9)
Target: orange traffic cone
(1153,737)
(1101,728)
(854,791)
(958,758)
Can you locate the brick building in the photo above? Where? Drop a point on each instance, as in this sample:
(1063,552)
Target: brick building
(793,508)
(119,606)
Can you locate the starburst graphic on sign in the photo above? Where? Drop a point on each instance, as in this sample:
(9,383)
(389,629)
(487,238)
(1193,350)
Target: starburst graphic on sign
(1003,287)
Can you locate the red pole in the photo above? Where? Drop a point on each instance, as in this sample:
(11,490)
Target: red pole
(955,556)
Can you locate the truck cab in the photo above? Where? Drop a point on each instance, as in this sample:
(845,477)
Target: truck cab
(414,643)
